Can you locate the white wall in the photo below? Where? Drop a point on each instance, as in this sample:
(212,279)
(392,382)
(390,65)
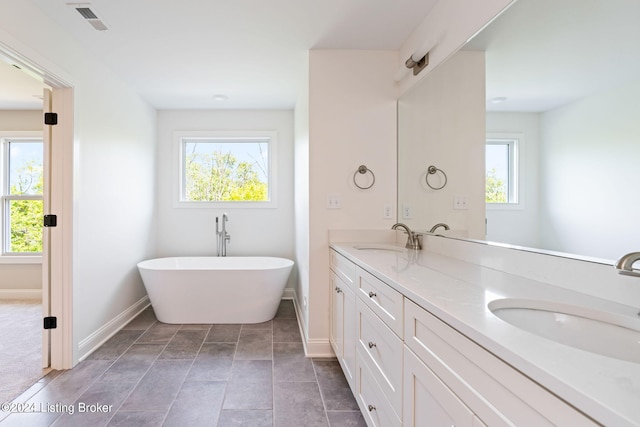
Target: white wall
(518,225)
(113,174)
(590,175)
(20,276)
(352,121)
(301,196)
(254,231)
(442,123)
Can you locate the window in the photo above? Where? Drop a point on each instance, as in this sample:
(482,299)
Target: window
(502,170)
(232,169)
(22,203)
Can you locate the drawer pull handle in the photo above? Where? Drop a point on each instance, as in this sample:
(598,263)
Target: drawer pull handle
(372,294)
(372,344)
(338,290)
(371,408)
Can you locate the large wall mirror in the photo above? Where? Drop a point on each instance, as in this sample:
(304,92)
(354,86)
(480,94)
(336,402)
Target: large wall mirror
(560,152)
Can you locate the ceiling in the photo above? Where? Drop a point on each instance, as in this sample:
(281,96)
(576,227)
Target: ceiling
(180,54)
(542,54)
(18,90)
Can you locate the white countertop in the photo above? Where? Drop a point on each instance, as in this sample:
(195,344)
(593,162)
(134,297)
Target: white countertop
(458,292)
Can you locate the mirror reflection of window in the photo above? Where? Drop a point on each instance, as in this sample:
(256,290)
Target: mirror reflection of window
(502,171)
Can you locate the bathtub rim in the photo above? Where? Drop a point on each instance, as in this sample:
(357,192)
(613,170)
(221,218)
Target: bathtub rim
(171,263)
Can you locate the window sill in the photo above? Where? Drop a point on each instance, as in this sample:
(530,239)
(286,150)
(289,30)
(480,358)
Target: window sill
(27,259)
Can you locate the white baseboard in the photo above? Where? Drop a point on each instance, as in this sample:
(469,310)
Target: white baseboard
(289,293)
(30,294)
(99,337)
(312,347)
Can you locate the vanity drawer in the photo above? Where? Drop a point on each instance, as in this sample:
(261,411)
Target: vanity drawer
(375,407)
(344,269)
(428,401)
(383,350)
(383,300)
(491,388)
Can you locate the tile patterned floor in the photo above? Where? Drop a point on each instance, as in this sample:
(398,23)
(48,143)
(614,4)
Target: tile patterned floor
(155,374)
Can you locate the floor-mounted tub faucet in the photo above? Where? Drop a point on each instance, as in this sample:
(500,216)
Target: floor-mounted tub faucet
(413,241)
(222,236)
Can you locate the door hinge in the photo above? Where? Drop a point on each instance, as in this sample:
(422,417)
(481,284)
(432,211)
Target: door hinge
(50,220)
(50,322)
(50,118)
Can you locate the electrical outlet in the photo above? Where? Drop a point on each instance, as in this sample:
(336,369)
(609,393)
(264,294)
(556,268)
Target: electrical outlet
(406,211)
(460,202)
(334,202)
(387,212)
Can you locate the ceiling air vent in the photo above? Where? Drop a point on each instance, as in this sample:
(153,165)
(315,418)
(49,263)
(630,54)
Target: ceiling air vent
(91,18)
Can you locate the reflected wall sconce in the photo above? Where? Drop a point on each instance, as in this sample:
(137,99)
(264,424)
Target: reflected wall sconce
(418,61)
(420,58)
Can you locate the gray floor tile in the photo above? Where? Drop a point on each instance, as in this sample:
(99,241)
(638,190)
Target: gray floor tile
(346,419)
(137,419)
(213,362)
(253,326)
(244,418)
(298,404)
(133,364)
(116,345)
(291,364)
(30,419)
(185,344)
(197,404)
(97,405)
(247,395)
(255,344)
(195,327)
(160,385)
(68,386)
(252,371)
(226,375)
(333,385)
(142,321)
(286,310)
(286,330)
(223,333)
(158,333)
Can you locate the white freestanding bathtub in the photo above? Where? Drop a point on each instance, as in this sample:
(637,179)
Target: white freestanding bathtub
(215,289)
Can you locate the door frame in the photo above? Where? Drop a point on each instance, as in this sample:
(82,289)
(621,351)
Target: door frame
(57,257)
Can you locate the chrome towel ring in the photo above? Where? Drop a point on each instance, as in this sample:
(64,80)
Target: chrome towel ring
(432,170)
(362,169)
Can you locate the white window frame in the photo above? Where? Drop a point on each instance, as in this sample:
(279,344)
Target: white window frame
(272,175)
(515,141)
(13,257)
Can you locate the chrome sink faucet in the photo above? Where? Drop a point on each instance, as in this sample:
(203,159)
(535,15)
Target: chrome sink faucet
(222,236)
(624,264)
(438,225)
(413,241)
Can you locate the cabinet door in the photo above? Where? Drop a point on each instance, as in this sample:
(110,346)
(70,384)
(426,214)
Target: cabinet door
(349,336)
(337,315)
(428,401)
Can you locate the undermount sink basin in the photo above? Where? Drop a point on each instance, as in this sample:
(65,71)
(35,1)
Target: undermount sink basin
(378,247)
(609,334)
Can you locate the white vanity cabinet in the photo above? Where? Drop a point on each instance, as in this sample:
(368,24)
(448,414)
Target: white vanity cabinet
(343,315)
(379,352)
(450,372)
(406,367)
